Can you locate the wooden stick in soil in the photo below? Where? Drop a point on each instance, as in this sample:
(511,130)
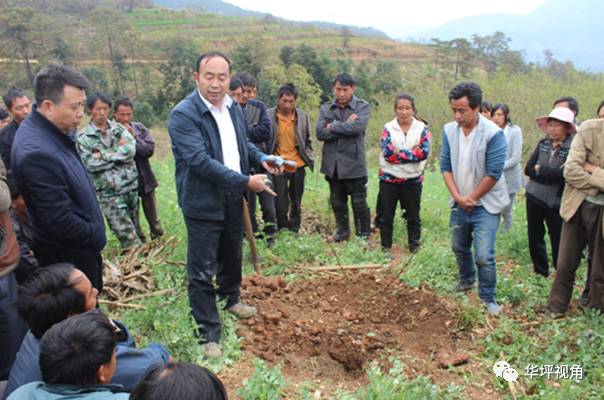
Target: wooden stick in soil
(249,233)
(120,304)
(343,267)
(330,244)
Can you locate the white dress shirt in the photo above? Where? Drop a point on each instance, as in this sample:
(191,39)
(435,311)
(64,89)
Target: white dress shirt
(226,129)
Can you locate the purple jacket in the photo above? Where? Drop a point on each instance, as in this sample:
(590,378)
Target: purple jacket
(145,146)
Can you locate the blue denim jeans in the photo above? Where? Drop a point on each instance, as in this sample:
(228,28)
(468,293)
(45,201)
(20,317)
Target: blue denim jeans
(479,228)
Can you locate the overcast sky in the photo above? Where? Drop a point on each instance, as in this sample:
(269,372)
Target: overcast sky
(401,18)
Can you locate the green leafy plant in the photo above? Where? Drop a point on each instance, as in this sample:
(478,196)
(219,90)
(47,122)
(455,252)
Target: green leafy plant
(265,383)
(394,385)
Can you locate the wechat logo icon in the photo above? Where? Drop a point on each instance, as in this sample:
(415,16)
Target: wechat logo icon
(502,369)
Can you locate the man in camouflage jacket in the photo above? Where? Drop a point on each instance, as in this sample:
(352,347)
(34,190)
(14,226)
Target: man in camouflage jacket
(107,150)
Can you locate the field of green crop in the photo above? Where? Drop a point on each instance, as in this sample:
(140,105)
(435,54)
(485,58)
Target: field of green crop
(521,334)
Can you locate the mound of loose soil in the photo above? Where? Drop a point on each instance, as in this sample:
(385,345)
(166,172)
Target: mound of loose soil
(331,327)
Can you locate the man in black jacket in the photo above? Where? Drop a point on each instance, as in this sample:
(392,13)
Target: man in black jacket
(213,157)
(61,201)
(341,128)
(19,106)
(259,133)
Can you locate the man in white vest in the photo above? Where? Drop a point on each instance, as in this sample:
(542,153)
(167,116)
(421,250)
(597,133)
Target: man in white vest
(472,156)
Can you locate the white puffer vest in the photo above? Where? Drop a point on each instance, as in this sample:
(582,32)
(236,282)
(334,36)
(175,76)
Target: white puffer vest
(400,141)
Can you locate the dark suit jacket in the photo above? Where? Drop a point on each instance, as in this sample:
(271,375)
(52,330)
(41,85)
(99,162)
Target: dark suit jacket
(202,179)
(60,198)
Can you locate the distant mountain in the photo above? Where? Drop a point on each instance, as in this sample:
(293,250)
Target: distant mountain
(224,8)
(572,30)
(212,6)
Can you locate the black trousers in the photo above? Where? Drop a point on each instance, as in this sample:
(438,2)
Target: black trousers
(267,205)
(90,264)
(288,204)
(409,196)
(149,204)
(214,250)
(339,190)
(538,216)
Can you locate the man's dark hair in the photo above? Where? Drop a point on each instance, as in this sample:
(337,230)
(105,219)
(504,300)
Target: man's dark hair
(486,106)
(247,79)
(209,55)
(72,351)
(235,84)
(182,381)
(471,90)
(289,89)
(3,113)
(123,101)
(344,79)
(49,296)
(599,107)
(504,109)
(50,82)
(98,96)
(12,94)
(573,104)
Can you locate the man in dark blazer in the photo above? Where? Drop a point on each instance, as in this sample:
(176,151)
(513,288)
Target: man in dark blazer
(61,202)
(213,157)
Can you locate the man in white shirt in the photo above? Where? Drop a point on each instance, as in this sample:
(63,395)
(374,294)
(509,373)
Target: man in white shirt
(213,158)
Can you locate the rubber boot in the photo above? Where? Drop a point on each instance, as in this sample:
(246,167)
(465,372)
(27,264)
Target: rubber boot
(362,222)
(342,231)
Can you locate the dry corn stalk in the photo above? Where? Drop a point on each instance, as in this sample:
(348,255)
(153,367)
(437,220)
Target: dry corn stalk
(129,277)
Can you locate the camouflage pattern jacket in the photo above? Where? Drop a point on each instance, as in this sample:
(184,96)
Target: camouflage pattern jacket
(112,167)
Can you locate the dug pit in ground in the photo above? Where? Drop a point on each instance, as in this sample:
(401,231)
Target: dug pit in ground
(330,327)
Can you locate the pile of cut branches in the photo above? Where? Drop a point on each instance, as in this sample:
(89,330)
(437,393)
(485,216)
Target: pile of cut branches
(129,278)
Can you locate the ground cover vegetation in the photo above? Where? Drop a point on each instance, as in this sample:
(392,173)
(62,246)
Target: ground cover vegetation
(394,324)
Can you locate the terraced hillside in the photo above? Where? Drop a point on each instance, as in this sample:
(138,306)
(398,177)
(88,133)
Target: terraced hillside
(156,25)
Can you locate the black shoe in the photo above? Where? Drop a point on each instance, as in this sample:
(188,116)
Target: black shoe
(338,237)
(156,230)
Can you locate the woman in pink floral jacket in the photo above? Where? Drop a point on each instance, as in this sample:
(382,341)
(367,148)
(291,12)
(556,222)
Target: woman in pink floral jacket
(405,145)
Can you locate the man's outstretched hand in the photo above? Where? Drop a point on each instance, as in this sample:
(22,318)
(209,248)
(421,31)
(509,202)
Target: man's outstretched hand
(260,183)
